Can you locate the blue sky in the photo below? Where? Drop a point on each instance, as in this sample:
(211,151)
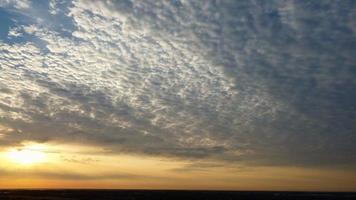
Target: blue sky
(254,82)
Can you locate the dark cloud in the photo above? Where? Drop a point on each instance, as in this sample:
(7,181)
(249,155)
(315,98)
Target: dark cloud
(69,175)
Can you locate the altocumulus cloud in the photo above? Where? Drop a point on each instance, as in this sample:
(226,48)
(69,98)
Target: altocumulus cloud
(262,82)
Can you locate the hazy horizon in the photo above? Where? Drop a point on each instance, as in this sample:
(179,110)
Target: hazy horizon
(178,94)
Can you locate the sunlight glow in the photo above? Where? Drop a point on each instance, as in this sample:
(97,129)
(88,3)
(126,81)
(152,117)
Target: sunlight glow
(27,155)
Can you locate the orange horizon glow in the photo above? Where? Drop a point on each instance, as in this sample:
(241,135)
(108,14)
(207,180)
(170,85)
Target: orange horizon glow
(53,166)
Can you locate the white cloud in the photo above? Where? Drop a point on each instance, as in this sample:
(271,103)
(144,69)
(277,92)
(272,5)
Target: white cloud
(149,83)
(189,79)
(18,4)
(14,32)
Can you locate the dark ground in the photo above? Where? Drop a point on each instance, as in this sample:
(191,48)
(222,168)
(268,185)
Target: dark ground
(164,195)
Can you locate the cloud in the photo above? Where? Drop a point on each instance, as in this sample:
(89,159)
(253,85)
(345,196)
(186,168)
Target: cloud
(17,4)
(263,83)
(68,175)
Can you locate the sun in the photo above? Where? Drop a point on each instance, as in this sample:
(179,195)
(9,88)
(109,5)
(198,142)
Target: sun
(27,155)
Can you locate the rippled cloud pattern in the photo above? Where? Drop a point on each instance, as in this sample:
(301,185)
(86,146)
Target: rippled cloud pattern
(255,82)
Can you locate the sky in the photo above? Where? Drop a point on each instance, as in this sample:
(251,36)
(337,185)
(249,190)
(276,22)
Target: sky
(178,94)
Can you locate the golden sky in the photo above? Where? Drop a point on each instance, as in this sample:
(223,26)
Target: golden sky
(51,165)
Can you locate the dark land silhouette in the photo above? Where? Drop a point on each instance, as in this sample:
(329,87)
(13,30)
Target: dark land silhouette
(167,195)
